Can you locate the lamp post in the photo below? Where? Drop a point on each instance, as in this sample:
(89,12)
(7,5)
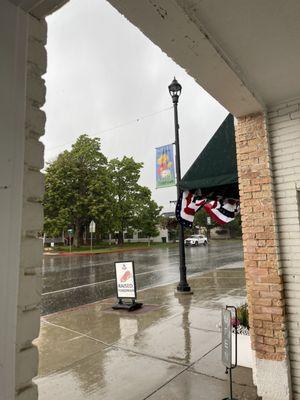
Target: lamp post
(175,91)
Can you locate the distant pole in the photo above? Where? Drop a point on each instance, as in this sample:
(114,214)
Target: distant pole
(175,91)
(208,227)
(70,234)
(92,229)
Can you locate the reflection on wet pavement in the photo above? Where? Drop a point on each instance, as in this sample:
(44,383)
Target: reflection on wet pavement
(72,348)
(168,350)
(70,281)
(111,374)
(192,386)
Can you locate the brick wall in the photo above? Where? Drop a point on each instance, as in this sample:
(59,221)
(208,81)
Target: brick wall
(261,250)
(284,128)
(31,247)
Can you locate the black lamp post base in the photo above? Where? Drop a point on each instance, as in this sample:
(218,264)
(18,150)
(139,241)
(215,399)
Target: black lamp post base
(229,398)
(184,288)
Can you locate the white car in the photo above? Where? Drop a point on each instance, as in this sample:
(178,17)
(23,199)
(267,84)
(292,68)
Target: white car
(196,240)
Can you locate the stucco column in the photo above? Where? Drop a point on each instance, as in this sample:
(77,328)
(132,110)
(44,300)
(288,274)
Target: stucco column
(12,133)
(22,45)
(262,259)
(29,293)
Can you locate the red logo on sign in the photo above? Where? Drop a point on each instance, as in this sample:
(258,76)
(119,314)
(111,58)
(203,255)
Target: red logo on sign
(126,276)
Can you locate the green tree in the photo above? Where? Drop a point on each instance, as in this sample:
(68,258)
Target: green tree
(130,200)
(149,217)
(235,227)
(171,224)
(78,189)
(201,220)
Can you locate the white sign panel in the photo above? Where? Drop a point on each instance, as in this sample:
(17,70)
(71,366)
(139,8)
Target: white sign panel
(226,338)
(125,280)
(92,227)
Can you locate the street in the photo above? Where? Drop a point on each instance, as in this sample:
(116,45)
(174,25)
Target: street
(70,281)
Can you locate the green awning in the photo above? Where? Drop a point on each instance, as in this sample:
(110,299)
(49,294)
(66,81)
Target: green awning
(215,169)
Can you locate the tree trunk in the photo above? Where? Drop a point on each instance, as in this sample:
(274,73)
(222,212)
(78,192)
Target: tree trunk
(84,237)
(76,235)
(148,241)
(208,232)
(75,243)
(120,237)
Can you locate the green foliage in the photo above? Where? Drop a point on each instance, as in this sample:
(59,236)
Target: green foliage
(149,218)
(171,224)
(132,205)
(201,220)
(235,227)
(77,188)
(243,315)
(82,185)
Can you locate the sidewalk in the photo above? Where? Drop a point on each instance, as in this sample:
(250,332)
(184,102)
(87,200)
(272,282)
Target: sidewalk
(170,349)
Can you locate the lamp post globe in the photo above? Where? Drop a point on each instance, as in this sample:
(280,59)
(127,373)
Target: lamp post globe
(175,91)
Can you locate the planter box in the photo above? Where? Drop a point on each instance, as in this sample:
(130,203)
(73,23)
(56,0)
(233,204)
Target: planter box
(244,351)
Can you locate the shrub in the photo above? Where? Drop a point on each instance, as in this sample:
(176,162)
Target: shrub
(243,315)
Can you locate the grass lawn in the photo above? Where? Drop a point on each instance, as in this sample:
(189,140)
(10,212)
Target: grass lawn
(106,248)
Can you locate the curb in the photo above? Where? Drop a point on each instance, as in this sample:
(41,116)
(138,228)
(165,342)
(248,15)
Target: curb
(66,254)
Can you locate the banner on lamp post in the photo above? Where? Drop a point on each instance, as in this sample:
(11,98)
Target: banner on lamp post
(165,172)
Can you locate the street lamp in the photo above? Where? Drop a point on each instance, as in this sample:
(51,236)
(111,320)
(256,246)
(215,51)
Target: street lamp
(175,91)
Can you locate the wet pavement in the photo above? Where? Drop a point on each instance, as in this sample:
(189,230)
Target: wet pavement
(169,349)
(70,281)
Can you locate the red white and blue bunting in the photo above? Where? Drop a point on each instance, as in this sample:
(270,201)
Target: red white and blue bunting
(187,206)
(221,210)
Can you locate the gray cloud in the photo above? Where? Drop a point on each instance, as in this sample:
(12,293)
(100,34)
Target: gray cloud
(102,73)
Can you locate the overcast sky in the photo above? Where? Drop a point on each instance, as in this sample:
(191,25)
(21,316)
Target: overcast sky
(106,79)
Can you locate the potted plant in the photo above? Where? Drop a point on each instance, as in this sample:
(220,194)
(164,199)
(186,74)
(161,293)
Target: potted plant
(244,352)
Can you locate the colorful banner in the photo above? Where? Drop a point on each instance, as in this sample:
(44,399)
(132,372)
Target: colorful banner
(165,173)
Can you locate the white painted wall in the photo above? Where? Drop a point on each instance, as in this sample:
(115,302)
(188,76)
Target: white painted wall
(163,233)
(156,239)
(13,41)
(284,129)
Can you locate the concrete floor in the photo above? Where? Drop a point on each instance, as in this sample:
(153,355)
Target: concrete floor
(169,349)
